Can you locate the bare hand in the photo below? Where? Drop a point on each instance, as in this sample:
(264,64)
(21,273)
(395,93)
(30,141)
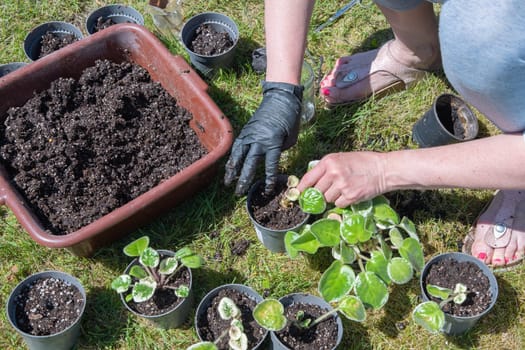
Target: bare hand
(347,178)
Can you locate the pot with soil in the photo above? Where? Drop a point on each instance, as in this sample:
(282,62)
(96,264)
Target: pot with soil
(457,290)
(211,40)
(164,134)
(49,37)
(46,310)
(109,15)
(157,284)
(213,325)
(449,120)
(300,321)
(272,215)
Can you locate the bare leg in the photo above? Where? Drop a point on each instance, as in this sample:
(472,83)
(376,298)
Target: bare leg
(415,47)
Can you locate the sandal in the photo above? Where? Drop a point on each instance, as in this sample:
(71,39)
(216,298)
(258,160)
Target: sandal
(381,71)
(498,236)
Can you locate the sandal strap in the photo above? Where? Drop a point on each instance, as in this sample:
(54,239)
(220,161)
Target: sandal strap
(498,236)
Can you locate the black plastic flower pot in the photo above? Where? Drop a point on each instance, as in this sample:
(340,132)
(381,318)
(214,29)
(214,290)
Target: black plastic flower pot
(106,16)
(172,318)
(64,339)
(270,238)
(221,23)
(10,67)
(449,120)
(455,325)
(203,310)
(33,40)
(306,299)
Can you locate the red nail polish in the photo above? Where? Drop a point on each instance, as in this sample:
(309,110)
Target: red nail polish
(482,256)
(496,260)
(506,260)
(325,91)
(514,257)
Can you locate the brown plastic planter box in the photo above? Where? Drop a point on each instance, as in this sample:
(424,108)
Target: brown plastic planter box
(118,43)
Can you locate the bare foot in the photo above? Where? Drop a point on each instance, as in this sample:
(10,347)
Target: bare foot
(499,237)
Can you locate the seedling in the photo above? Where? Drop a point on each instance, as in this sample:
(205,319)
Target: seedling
(237,338)
(152,273)
(430,314)
(371,246)
(292,193)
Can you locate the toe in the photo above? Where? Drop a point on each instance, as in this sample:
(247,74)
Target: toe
(498,258)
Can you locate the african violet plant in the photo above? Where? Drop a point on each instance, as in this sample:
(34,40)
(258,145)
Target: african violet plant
(153,273)
(237,338)
(429,314)
(371,246)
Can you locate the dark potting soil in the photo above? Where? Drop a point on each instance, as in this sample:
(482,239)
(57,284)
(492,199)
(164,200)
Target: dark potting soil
(48,306)
(164,299)
(209,42)
(211,325)
(52,41)
(322,336)
(103,23)
(85,147)
(448,272)
(268,212)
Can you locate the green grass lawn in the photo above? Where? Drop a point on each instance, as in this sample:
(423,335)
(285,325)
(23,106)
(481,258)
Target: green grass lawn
(214,220)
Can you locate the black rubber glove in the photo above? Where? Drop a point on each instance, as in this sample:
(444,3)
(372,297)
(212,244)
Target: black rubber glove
(272,129)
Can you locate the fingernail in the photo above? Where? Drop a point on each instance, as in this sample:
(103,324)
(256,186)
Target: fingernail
(325,91)
(506,260)
(482,256)
(514,257)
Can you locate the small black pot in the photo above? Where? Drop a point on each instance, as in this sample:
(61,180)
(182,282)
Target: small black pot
(58,341)
(116,13)
(205,303)
(270,238)
(302,298)
(170,319)
(10,67)
(436,126)
(33,40)
(455,325)
(208,65)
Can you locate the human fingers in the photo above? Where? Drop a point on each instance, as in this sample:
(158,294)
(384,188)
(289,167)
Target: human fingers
(248,170)
(311,177)
(271,166)
(234,163)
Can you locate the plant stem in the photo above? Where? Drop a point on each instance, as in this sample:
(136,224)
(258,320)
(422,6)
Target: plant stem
(323,317)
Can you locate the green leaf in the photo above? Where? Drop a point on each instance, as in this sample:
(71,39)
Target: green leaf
(438,292)
(385,248)
(337,281)
(395,237)
(327,232)
(239,344)
(227,309)
(371,289)
(344,253)
(143,290)
(352,308)
(288,238)
(149,257)
(306,242)
(385,216)
(378,264)
(182,291)
(400,270)
(193,261)
(182,252)
(136,247)
(206,345)
(364,208)
(312,201)
(292,181)
(269,314)
(311,164)
(356,228)
(430,316)
(412,250)
(138,272)
(121,284)
(407,225)
(168,265)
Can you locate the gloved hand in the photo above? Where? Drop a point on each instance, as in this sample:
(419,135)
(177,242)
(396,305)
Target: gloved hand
(272,129)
